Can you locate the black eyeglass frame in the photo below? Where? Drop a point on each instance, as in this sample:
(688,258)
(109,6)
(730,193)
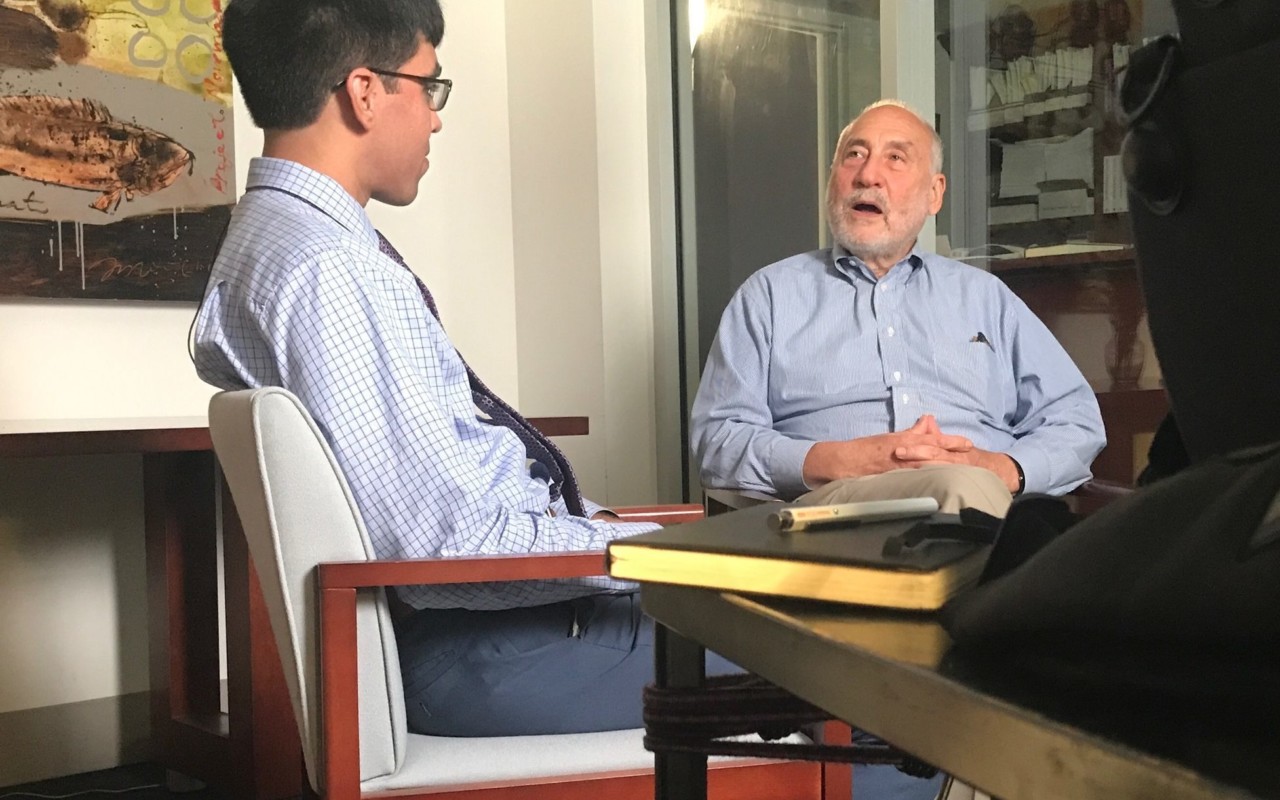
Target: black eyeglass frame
(437,89)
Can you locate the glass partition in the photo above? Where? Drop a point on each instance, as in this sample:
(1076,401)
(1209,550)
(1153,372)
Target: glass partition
(1026,96)
(1026,104)
(773,83)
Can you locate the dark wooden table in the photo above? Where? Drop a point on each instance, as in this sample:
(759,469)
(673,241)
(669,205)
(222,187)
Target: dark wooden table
(892,675)
(252,749)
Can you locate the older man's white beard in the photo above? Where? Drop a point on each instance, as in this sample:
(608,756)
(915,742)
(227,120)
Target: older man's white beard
(870,248)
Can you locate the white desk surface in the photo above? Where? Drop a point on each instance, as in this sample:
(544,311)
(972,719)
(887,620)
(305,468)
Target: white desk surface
(18,426)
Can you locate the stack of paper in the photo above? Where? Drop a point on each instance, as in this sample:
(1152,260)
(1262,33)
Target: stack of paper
(1030,86)
(1057,171)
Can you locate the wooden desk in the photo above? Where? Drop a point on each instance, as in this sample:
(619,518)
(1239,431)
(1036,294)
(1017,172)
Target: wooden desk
(253,749)
(1004,741)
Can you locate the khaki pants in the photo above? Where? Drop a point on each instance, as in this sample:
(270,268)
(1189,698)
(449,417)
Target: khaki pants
(955,486)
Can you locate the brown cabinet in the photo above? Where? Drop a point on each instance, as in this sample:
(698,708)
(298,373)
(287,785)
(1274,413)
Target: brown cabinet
(1093,305)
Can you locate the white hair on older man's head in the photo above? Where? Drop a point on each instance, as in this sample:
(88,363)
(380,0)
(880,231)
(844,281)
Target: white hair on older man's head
(935,148)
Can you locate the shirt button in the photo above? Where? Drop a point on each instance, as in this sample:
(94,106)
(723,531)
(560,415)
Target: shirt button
(897,376)
(906,399)
(890,331)
(883,287)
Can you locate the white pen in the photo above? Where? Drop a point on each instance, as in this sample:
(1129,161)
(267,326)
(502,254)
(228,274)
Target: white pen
(802,518)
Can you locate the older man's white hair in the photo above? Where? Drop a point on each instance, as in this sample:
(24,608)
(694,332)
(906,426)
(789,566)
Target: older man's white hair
(935,148)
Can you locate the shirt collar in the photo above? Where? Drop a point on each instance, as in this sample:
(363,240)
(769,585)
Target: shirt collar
(854,267)
(315,188)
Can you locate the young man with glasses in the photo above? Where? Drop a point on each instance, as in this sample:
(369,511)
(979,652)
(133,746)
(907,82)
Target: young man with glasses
(305,294)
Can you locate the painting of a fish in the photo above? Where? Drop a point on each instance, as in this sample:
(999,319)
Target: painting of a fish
(26,42)
(78,144)
(117,169)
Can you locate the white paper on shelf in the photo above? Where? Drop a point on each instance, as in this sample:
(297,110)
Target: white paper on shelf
(1065,203)
(1082,66)
(1120,55)
(1017,92)
(1062,74)
(1023,168)
(1047,70)
(1115,194)
(999,83)
(1071,159)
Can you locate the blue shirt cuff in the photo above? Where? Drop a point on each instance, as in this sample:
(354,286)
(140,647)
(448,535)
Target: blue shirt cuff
(589,509)
(1038,469)
(786,466)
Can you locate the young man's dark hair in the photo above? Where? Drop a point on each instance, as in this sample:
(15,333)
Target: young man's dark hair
(288,55)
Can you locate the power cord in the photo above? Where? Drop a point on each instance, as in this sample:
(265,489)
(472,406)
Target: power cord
(79,794)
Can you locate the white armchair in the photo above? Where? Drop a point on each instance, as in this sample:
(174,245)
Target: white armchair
(331,624)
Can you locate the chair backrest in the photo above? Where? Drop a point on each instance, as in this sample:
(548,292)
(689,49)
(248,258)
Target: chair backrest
(297,511)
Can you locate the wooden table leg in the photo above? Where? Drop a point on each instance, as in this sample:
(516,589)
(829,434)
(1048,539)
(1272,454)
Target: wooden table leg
(264,735)
(678,663)
(182,592)
(252,750)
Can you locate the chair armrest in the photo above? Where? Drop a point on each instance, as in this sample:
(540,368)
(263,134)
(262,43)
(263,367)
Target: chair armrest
(720,501)
(663,515)
(739,498)
(483,569)
(1092,495)
(462,569)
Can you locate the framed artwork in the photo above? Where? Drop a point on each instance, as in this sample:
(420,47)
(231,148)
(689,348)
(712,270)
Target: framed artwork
(116,170)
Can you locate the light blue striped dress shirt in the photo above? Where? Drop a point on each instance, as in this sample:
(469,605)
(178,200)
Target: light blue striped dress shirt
(301,297)
(814,348)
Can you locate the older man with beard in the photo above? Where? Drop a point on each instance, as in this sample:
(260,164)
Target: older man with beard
(876,370)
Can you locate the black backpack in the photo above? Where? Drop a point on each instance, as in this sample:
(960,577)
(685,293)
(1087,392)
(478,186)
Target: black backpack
(1170,596)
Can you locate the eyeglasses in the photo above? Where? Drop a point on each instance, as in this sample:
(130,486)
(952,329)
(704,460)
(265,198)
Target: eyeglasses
(437,89)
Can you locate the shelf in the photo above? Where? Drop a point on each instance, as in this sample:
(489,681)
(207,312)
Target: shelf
(1064,261)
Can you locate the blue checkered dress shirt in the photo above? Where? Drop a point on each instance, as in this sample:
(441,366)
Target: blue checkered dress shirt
(301,297)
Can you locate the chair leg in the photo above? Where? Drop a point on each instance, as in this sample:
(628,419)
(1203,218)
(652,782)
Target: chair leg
(307,792)
(837,779)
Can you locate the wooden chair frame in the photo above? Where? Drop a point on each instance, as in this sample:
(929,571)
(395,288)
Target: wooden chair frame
(338,584)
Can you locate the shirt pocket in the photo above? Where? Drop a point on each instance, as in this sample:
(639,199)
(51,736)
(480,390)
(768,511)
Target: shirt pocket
(819,367)
(969,371)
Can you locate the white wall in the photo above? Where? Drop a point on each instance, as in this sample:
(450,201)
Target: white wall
(457,234)
(579,189)
(534,195)
(556,220)
(624,169)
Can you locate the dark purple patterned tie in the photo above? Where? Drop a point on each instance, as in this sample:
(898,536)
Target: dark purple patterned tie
(540,448)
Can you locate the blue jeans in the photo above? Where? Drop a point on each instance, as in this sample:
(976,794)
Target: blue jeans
(885,782)
(571,667)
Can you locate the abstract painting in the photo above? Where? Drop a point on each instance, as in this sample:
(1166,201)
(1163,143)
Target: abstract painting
(116,171)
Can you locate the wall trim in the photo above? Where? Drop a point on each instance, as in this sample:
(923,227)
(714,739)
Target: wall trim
(67,739)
